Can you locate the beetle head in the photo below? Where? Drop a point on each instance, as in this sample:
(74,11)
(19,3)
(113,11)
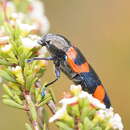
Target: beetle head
(55,40)
(55,43)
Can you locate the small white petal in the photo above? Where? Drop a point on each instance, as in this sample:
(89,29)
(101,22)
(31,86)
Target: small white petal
(14,15)
(18,17)
(6,48)
(42,51)
(75,87)
(116,122)
(59,114)
(92,100)
(28,43)
(10,7)
(34,37)
(105,113)
(37,9)
(27,27)
(83,94)
(4,39)
(17,68)
(114,119)
(66,101)
(44,24)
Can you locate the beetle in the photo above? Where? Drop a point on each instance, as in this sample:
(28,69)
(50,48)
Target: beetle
(68,59)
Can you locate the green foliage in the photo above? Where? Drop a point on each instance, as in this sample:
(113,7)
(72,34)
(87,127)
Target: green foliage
(28,127)
(12,103)
(63,125)
(7,75)
(20,78)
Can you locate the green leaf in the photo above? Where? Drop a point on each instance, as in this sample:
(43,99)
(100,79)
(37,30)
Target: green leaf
(17,99)
(32,110)
(4,62)
(63,125)
(12,59)
(7,90)
(28,127)
(15,88)
(44,101)
(12,103)
(44,126)
(37,92)
(30,80)
(40,72)
(46,116)
(83,102)
(87,124)
(52,95)
(80,126)
(7,76)
(91,114)
(97,128)
(6,96)
(84,113)
(1,18)
(8,28)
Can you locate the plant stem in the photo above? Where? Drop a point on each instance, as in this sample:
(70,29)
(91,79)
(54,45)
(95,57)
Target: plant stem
(40,117)
(4,10)
(32,114)
(77,123)
(52,106)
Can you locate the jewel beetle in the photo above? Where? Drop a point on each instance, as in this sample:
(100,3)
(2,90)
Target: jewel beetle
(69,59)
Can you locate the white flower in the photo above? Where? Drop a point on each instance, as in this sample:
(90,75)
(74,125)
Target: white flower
(18,17)
(105,113)
(38,16)
(4,39)
(67,101)
(16,69)
(26,27)
(116,122)
(75,87)
(58,115)
(37,10)
(29,43)
(2,31)
(42,51)
(95,102)
(114,118)
(82,94)
(6,48)
(43,24)
(10,7)
(34,37)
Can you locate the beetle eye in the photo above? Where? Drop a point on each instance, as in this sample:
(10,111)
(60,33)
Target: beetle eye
(41,42)
(65,57)
(47,42)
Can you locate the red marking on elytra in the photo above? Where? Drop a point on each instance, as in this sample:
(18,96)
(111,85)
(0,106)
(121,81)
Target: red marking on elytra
(99,93)
(71,55)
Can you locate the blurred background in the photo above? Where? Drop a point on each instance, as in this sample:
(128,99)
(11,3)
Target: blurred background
(101,29)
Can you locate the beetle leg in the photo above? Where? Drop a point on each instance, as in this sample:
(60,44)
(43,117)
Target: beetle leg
(57,73)
(38,58)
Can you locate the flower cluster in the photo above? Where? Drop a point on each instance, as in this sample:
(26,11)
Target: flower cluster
(27,22)
(82,111)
